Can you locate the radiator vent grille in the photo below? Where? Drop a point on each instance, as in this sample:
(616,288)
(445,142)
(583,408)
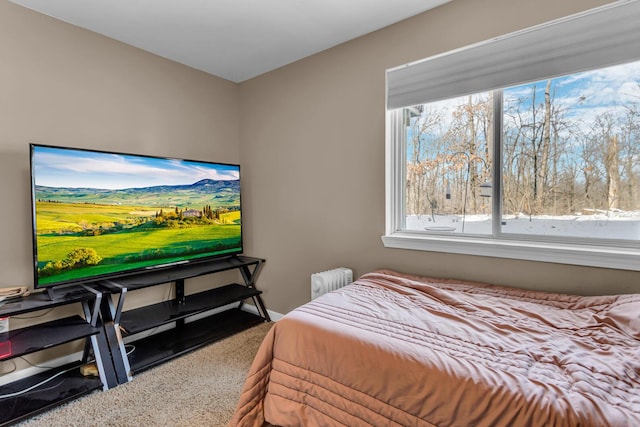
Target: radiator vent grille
(330,280)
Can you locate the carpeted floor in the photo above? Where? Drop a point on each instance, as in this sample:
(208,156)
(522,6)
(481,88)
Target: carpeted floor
(198,389)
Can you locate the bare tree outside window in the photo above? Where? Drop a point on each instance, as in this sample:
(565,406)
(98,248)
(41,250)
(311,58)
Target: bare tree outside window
(570,149)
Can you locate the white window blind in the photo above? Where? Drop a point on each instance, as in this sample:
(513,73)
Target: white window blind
(604,36)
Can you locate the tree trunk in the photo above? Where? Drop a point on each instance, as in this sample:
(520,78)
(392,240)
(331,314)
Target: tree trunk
(613,174)
(544,150)
(472,153)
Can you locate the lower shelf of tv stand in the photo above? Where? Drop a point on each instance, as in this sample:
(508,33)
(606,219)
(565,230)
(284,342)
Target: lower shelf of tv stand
(65,387)
(164,346)
(35,338)
(152,316)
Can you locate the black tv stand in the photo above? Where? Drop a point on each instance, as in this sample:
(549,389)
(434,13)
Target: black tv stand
(186,333)
(63,292)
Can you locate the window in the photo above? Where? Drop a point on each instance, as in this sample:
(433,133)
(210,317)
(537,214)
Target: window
(525,147)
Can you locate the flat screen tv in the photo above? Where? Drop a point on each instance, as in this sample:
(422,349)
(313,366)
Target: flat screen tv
(99,215)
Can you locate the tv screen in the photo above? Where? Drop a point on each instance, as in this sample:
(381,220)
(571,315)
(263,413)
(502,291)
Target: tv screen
(100,214)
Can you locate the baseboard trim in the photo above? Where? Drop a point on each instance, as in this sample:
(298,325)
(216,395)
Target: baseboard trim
(274,315)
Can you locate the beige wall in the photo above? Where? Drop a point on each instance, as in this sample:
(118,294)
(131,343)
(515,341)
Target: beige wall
(62,85)
(313,156)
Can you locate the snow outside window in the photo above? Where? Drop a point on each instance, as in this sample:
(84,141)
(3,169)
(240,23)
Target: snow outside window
(545,169)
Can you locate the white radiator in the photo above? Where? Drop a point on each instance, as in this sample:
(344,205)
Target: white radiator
(330,280)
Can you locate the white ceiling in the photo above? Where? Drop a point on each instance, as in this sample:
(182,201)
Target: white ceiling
(232,39)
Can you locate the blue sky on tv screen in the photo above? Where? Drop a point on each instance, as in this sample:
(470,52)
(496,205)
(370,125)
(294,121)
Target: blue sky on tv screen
(63,167)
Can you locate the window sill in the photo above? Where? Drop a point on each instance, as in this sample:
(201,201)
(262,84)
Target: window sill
(562,253)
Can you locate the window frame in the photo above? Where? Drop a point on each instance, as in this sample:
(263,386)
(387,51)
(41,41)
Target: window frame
(607,253)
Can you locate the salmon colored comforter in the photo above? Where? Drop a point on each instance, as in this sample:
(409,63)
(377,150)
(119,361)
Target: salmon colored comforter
(399,350)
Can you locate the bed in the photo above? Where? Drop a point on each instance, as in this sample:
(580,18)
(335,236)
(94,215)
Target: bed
(393,349)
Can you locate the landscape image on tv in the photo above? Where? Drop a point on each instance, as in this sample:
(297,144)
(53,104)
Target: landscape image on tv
(100,214)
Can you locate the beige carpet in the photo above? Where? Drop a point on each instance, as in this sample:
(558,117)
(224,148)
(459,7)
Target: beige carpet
(198,389)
